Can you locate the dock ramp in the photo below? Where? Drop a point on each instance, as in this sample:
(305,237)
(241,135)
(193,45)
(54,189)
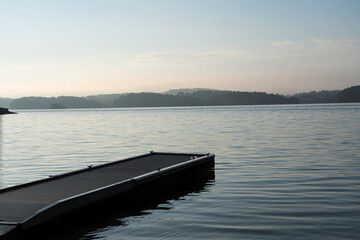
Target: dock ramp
(31,204)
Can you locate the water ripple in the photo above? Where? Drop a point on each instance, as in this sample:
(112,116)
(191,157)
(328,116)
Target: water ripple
(282,172)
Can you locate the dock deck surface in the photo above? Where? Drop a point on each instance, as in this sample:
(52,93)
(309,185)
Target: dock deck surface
(18,203)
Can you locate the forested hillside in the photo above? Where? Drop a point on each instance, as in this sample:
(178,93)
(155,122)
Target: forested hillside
(181,97)
(200,98)
(349,95)
(58,102)
(317,97)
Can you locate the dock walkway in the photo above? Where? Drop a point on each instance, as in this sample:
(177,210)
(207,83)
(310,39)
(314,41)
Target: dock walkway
(36,202)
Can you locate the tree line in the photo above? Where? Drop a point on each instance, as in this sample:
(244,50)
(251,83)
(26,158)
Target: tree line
(348,95)
(181,98)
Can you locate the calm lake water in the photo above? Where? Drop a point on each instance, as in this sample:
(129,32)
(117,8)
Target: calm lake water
(282,172)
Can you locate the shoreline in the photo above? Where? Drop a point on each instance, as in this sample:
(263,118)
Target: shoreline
(4,111)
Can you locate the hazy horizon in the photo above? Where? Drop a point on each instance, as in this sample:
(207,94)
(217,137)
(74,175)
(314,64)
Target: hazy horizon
(96,47)
(161,92)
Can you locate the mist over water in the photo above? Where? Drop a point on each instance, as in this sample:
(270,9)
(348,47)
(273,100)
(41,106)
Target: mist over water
(282,171)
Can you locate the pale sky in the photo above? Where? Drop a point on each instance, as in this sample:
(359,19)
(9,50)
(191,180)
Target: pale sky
(85,47)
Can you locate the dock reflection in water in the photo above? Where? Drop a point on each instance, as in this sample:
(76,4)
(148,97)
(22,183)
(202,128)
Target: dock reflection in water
(89,224)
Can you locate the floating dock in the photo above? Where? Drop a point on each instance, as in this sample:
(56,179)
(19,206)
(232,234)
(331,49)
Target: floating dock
(35,203)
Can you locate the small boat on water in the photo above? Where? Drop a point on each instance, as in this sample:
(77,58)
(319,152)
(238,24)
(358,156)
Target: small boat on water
(36,203)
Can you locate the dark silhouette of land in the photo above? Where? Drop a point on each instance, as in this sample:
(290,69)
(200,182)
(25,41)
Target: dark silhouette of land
(5,111)
(54,103)
(317,97)
(181,97)
(200,98)
(348,95)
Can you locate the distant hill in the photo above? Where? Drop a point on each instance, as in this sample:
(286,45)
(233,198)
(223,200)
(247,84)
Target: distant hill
(186,90)
(156,100)
(351,94)
(200,98)
(241,98)
(5,102)
(58,102)
(107,100)
(348,95)
(181,97)
(317,97)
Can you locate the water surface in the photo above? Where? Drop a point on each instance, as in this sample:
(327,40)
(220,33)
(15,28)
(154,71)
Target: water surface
(282,172)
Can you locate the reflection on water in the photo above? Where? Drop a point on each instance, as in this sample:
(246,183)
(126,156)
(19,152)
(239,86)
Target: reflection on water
(282,172)
(87,225)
